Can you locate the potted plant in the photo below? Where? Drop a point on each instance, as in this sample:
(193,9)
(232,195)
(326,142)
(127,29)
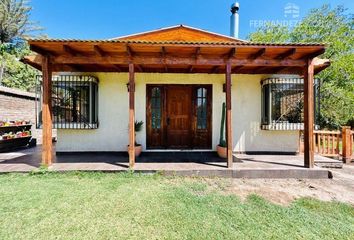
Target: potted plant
(221,148)
(138,125)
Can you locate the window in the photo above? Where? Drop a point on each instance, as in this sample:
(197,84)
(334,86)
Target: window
(202,108)
(74,102)
(282,104)
(156,108)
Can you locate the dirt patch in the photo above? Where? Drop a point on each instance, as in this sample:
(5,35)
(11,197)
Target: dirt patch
(280,191)
(284,191)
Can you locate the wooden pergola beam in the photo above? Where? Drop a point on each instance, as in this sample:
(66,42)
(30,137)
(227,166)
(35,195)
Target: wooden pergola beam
(287,54)
(70,51)
(99,51)
(309,114)
(260,70)
(236,69)
(163,57)
(163,52)
(215,69)
(232,53)
(117,67)
(288,70)
(76,67)
(131,115)
(130,52)
(190,69)
(314,54)
(282,69)
(47,145)
(179,60)
(140,68)
(197,53)
(249,68)
(42,51)
(258,54)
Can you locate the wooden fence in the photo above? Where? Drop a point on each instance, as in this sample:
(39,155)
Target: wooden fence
(333,143)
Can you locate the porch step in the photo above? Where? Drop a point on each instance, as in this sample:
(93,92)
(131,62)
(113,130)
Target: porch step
(325,162)
(334,164)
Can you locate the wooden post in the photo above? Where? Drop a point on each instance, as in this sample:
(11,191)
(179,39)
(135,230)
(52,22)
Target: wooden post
(346,144)
(308,115)
(47,146)
(228,116)
(131,116)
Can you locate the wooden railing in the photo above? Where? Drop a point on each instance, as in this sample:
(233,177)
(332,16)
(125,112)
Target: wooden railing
(333,144)
(327,143)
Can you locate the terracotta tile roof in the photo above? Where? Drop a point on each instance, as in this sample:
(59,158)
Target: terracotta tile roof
(174,42)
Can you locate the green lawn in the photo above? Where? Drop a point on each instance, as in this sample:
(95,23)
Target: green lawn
(132,206)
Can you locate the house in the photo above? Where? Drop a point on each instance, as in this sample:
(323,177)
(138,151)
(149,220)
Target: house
(175,80)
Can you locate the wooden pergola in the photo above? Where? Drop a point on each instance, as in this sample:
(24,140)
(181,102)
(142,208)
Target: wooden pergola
(218,57)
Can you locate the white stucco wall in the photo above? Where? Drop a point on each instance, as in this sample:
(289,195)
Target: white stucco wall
(246,106)
(112,134)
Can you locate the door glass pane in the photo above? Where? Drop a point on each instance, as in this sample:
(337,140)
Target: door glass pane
(156,108)
(201,108)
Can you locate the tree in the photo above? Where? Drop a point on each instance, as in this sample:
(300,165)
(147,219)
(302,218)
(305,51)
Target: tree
(336,28)
(14,26)
(271,33)
(18,74)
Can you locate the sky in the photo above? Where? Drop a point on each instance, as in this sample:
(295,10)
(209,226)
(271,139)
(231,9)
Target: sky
(104,19)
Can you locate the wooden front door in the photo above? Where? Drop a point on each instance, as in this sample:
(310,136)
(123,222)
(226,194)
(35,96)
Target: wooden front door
(178,116)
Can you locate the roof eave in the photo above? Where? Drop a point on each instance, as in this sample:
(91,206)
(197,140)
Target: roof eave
(40,40)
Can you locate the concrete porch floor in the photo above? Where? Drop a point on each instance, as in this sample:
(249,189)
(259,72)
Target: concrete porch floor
(172,163)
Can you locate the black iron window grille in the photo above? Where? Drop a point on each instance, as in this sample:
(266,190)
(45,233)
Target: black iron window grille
(74,102)
(283,102)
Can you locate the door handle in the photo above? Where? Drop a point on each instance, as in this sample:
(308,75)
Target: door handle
(168,121)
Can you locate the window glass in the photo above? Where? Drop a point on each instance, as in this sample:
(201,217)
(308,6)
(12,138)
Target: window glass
(202,108)
(283,103)
(156,108)
(71,104)
(287,103)
(265,104)
(74,102)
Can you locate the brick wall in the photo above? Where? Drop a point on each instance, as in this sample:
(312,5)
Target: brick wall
(16,108)
(19,105)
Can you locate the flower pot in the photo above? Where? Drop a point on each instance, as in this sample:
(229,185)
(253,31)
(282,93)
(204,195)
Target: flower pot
(222,151)
(138,149)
